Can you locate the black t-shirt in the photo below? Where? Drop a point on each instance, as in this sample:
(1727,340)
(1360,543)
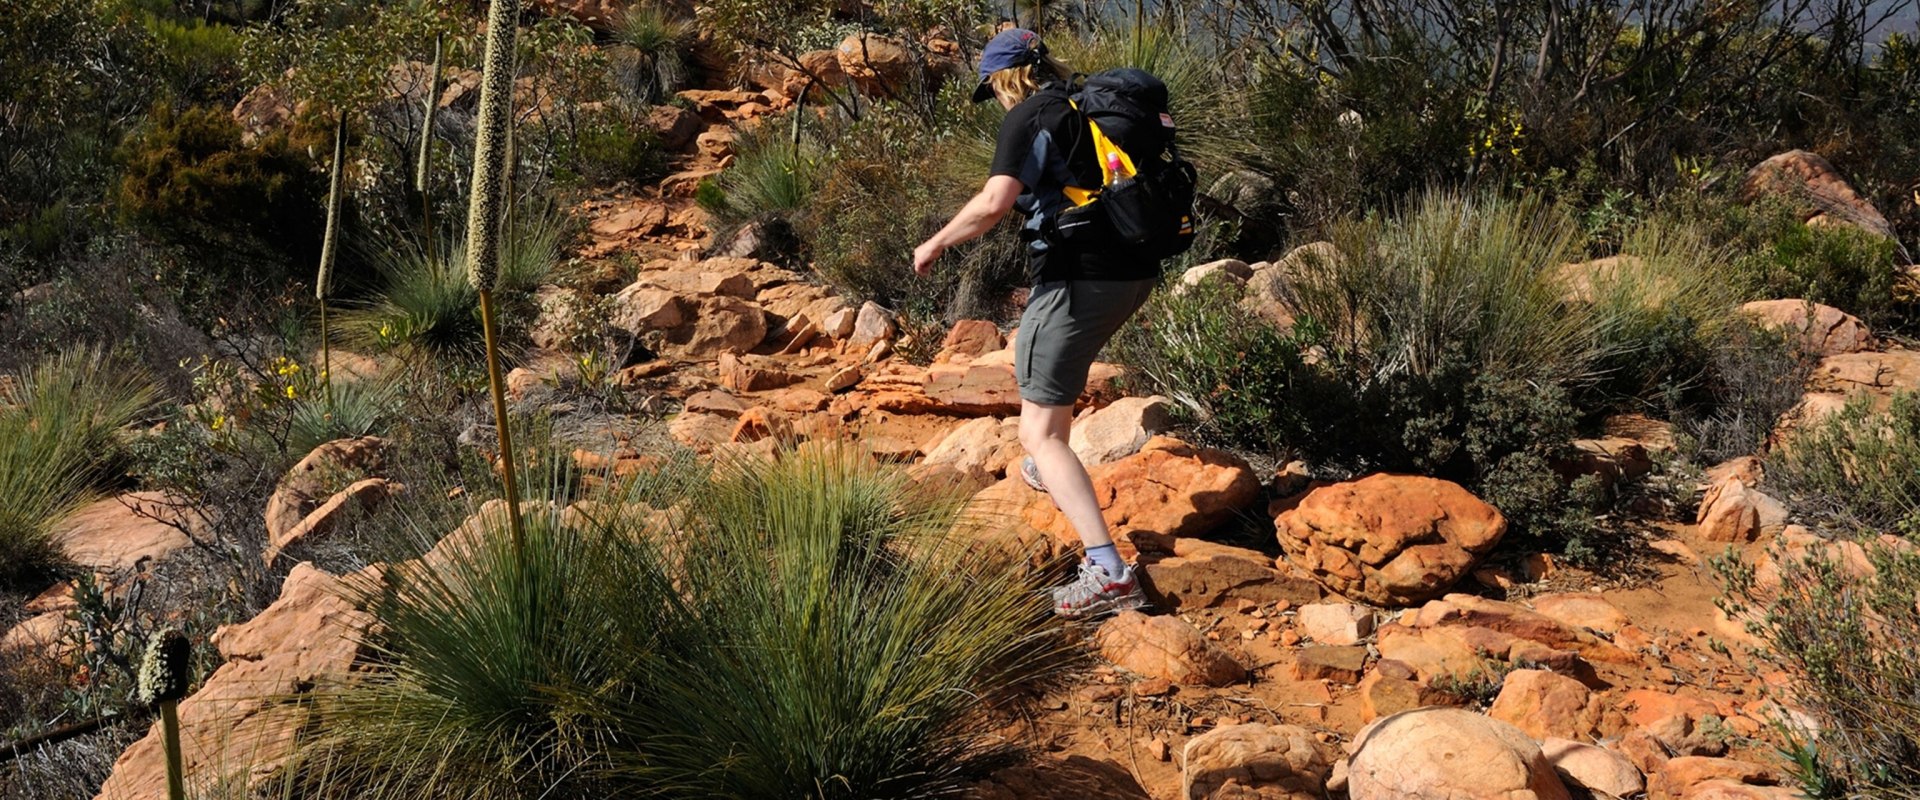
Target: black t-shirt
(1046,146)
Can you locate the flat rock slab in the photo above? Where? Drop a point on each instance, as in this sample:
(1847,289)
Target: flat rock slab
(114,534)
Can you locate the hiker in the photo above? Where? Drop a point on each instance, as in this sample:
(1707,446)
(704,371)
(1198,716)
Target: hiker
(1044,162)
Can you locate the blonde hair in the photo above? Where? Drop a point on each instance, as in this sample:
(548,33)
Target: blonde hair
(1019,83)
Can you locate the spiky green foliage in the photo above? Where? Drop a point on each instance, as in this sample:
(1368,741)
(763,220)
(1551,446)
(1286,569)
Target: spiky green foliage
(1209,105)
(1860,466)
(769,176)
(657,65)
(808,627)
(429,304)
(58,424)
(348,407)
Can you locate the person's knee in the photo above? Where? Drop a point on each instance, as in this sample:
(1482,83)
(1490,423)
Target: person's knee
(1041,424)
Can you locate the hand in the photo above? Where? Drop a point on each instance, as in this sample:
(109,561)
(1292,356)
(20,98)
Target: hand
(924,256)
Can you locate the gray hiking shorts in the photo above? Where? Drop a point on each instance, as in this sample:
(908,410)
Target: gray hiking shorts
(1065,325)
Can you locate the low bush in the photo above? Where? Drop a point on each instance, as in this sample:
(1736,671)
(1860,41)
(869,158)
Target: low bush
(1752,379)
(187,174)
(1846,631)
(1778,256)
(808,627)
(59,424)
(1454,340)
(1234,378)
(609,147)
(893,180)
(1859,467)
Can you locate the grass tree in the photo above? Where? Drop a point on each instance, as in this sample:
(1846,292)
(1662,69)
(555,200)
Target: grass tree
(486,209)
(811,627)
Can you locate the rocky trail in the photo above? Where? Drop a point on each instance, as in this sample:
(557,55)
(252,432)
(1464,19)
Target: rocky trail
(1305,638)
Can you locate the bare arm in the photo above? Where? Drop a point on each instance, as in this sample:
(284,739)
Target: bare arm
(977,217)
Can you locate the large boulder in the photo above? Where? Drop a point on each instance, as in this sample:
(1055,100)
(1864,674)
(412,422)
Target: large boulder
(1809,182)
(312,481)
(880,65)
(1071,778)
(675,126)
(1119,429)
(1166,647)
(1698,777)
(1595,769)
(1448,754)
(1877,374)
(115,535)
(1393,540)
(1544,705)
(1255,762)
(1732,511)
(1821,329)
(980,449)
(720,324)
(241,726)
(360,497)
(1168,490)
(1335,623)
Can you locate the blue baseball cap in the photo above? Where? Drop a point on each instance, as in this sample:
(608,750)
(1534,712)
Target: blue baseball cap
(1013,47)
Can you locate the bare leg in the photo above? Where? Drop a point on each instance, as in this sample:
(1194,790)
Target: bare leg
(1043,432)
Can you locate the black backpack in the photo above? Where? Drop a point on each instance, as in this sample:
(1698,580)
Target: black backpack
(1146,200)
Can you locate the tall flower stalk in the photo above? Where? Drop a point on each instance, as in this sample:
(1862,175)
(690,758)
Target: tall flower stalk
(485,210)
(421,176)
(329,246)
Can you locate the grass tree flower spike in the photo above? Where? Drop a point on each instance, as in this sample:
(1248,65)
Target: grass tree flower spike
(485,210)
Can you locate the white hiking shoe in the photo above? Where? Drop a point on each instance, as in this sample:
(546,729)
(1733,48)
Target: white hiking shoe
(1094,593)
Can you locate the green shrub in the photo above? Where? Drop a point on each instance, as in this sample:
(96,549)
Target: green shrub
(1412,132)
(186,174)
(1841,266)
(1452,340)
(348,408)
(608,148)
(808,627)
(1658,314)
(1211,109)
(1860,466)
(429,305)
(893,181)
(1233,377)
(1753,377)
(1777,256)
(1845,630)
(59,424)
